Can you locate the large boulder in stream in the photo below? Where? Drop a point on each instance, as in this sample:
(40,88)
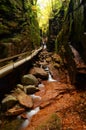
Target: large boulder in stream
(23,98)
(29,79)
(39,73)
(8,102)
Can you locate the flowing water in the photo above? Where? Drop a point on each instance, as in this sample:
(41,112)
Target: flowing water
(35,97)
(40,85)
(50,79)
(19,123)
(29,115)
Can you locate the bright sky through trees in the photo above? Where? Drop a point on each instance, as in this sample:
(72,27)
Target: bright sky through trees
(45,11)
(43,14)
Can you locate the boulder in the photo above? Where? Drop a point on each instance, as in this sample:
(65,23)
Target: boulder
(30,89)
(56,58)
(39,73)
(56,65)
(8,102)
(20,86)
(48,59)
(43,64)
(23,98)
(29,79)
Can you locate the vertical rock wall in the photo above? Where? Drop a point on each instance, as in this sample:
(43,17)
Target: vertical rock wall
(77,18)
(73,31)
(19,29)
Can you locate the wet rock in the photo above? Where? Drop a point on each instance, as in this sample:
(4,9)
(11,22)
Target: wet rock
(48,59)
(8,102)
(39,73)
(29,79)
(39,80)
(20,86)
(57,66)
(16,110)
(30,89)
(56,58)
(23,98)
(43,64)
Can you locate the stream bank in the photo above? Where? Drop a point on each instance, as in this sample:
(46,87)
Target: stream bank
(62,106)
(57,104)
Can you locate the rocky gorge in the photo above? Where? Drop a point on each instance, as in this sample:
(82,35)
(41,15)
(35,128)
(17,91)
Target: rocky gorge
(41,99)
(49,92)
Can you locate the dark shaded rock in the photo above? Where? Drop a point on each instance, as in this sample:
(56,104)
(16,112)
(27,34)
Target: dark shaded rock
(20,86)
(29,79)
(39,73)
(16,110)
(30,89)
(57,66)
(56,58)
(8,102)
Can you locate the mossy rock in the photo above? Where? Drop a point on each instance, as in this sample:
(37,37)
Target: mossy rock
(53,122)
(57,66)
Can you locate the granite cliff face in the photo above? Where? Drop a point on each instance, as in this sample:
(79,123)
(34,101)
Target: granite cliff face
(18,27)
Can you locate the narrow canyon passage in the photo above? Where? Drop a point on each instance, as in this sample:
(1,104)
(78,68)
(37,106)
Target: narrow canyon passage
(56,98)
(42,64)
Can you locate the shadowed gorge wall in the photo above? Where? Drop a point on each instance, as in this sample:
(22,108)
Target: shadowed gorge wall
(19,30)
(72,30)
(77,18)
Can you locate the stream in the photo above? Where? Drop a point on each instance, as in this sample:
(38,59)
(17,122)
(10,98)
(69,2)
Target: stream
(54,96)
(17,123)
(34,111)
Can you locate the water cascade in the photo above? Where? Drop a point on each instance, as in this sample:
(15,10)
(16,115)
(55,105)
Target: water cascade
(35,97)
(50,79)
(29,115)
(40,85)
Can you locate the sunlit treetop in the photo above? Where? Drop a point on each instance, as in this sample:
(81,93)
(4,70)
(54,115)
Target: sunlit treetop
(43,14)
(45,10)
